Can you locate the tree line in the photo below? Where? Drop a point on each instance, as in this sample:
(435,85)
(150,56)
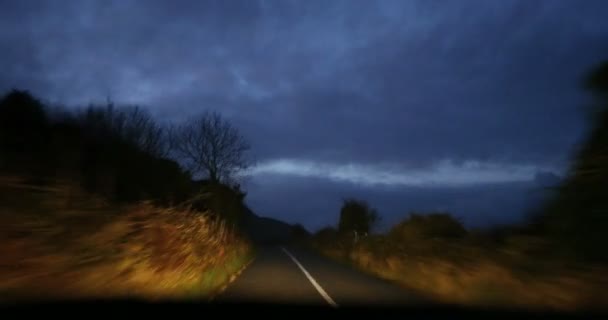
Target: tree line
(120,152)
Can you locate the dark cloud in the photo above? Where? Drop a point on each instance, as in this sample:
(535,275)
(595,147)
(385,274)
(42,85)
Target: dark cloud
(405,83)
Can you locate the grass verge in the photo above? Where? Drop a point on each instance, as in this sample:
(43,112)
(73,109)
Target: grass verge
(461,272)
(59,243)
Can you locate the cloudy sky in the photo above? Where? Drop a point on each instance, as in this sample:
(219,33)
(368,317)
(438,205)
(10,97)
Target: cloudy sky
(466,106)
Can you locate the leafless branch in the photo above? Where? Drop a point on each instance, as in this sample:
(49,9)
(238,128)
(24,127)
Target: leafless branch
(211,146)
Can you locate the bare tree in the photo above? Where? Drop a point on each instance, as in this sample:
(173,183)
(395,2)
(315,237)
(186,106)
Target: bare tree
(138,127)
(211,146)
(132,124)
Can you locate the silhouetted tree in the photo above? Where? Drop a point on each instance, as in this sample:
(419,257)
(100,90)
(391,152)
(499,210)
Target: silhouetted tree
(120,153)
(597,81)
(211,146)
(577,218)
(24,129)
(357,215)
(137,127)
(132,125)
(429,225)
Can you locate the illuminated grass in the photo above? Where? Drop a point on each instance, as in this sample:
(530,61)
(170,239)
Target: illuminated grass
(86,249)
(462,273)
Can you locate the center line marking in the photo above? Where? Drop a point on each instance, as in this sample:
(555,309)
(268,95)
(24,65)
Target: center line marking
(311,279)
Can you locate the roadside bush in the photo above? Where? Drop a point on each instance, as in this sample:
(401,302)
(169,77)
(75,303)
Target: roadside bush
(425,226)
(357,215)
(223,200)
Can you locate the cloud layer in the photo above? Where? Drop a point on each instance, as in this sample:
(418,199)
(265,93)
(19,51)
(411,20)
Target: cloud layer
(442,174)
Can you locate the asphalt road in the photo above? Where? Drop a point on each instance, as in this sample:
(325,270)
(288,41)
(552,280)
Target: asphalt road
(286,275)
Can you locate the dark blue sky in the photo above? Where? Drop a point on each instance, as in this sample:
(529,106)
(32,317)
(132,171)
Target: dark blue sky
(412,105)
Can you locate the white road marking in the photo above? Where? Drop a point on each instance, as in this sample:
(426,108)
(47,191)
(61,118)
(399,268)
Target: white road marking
(231,280)
(311,279)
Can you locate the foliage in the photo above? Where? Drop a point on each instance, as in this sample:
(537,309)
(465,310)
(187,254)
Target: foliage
(24,132)
(427,226)
(112,152)
(576,219)
(118,152)
(357,215)
(220,199)
(435,257)
(596,81)
(131,124)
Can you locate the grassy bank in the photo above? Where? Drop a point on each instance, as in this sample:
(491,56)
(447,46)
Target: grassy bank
(59,242)
(474,269)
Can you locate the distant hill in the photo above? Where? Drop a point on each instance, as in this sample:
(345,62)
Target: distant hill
(263,230)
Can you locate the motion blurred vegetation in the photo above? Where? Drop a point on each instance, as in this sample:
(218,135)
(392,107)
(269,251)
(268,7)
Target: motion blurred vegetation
(63,243)
(576,220)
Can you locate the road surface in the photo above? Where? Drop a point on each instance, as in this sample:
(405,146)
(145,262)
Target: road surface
(285,275)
